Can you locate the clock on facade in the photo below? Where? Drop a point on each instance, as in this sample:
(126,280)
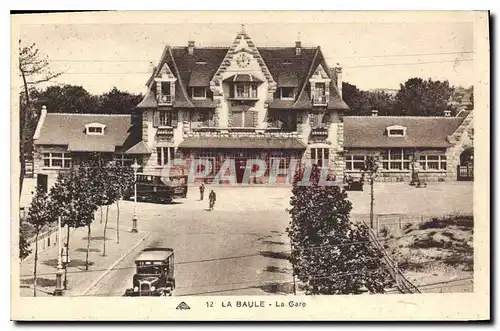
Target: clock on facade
(243,60)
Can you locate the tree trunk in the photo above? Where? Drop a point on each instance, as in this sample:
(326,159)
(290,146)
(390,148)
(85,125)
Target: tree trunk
(23,129)
(105,227)
(101,213)
(117,221)
(88,248)
(36,262)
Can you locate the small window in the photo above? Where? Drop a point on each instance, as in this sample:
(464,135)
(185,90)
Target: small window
(165,88)
(396,131)
(287,93)
(199,93)
(94,129)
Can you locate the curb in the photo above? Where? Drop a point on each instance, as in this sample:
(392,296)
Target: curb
(114,265)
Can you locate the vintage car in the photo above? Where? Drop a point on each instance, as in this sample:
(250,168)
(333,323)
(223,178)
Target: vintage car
(154,274)
(159,188)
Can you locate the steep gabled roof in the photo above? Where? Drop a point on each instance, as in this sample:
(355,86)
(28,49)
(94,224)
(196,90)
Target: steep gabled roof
(370,131)
(285,66)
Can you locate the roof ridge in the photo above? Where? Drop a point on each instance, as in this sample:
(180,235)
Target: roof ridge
(89,114)
(402,117)
(202,47)
(309,72)
(179,78)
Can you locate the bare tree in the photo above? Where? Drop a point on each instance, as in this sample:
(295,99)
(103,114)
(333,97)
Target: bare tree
(33,69)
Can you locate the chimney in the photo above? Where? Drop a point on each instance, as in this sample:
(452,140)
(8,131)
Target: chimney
(374,112)
(298,48)
(338,73)
(447,113)
(191,47)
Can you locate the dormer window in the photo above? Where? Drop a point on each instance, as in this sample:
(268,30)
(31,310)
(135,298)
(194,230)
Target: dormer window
(94,129)
(396,131)
(287,93)
(199,92)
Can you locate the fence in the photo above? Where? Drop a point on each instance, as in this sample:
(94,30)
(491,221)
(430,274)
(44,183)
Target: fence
(402,283)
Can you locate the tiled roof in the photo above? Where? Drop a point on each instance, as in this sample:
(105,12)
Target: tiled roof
(69,130)
(287,69)
(370,131)
(244,142)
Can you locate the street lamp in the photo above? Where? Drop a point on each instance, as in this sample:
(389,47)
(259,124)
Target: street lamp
(135,167)
(58,291)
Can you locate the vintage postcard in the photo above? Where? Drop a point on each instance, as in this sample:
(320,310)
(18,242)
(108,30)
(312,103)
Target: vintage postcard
(179,166)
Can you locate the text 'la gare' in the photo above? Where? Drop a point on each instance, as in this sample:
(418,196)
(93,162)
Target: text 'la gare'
(262,304)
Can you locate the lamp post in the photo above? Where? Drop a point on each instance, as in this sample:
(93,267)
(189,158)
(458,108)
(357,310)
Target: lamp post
(135,167)
(58,291)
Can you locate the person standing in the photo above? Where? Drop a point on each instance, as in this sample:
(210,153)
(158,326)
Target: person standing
(211,198)
(202,191)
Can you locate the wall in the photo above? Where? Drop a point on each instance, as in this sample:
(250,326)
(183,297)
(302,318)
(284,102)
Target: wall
(401,175)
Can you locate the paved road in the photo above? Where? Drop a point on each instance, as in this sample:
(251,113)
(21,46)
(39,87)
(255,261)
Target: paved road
(220,252)
(237,248)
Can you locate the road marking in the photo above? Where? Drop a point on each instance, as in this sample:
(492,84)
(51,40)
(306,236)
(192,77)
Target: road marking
(114,265)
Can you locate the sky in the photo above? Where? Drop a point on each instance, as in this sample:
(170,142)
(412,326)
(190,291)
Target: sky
(373,55)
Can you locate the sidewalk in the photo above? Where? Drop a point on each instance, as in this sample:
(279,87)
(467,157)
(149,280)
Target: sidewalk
(80,280)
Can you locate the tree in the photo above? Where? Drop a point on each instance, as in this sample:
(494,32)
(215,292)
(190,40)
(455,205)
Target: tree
(68,99)
(124,180)
(111,194)
(361,103)
(418,97)
(39,216)
(330,254)
(24,249)
(73,203)
(33,69)
(118,102)
(93,172)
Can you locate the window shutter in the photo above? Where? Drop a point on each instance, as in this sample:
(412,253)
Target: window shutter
(249,120)
(237,119)
(156,118)
(175,118)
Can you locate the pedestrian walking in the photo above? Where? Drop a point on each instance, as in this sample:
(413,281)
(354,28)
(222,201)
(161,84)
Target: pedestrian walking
(202,191)
(211,198)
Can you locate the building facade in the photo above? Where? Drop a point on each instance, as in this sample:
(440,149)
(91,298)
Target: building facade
(243,102)
(434,147)
(62,140)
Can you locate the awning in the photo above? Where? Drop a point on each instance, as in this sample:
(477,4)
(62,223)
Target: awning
(243,78)
(139,148)
(243,143)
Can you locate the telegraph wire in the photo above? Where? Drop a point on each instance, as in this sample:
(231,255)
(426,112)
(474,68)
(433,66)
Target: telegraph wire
(213,260)
(242,71)
(281,282)
(343,57)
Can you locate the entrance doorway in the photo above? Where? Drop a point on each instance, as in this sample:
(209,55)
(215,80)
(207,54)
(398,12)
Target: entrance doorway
(240,165)
(465,171)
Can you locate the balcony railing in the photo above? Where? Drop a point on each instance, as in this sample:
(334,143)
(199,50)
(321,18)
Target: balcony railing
(164,99)
(319,100)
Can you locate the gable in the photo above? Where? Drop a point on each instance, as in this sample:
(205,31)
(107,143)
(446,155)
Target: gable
(242,47)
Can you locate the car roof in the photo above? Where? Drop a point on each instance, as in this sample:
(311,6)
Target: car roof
(155,254)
